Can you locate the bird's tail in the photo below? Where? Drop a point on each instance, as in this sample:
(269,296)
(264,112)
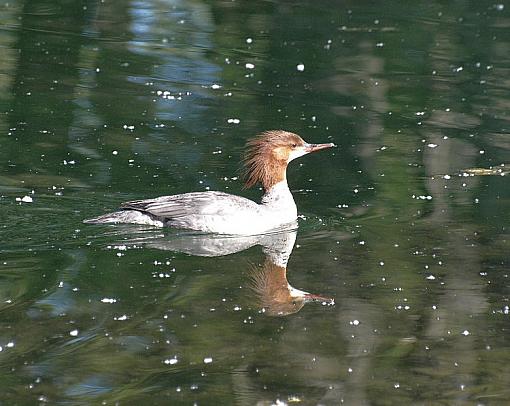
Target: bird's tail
(115,217)
(126,217)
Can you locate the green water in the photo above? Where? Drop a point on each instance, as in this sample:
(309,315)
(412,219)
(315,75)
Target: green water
(103,102)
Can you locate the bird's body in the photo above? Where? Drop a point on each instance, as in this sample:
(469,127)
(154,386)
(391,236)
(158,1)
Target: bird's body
(217,212)
(214,212)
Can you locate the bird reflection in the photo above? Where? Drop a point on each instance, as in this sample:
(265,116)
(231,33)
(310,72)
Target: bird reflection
(273,293)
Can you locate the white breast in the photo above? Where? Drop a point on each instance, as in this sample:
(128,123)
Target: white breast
(276,210)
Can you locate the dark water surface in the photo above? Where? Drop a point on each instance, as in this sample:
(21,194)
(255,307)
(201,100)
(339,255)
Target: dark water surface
(405,224)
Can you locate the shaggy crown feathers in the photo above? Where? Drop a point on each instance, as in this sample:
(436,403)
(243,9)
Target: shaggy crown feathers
(267,156)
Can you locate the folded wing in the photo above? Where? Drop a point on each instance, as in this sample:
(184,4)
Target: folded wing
(191,204)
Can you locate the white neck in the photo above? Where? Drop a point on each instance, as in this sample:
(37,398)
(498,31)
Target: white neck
(277,206)
(277,194)
(280,202)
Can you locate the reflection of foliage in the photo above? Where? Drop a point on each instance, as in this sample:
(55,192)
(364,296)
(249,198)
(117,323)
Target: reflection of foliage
(421,284)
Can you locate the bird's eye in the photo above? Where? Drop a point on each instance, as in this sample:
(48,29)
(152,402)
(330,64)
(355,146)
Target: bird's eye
(293,145)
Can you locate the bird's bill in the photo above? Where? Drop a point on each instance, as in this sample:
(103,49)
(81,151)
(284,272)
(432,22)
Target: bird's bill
(310,297)
(317,147)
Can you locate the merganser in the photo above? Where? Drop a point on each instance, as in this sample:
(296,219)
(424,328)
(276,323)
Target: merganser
(265,162)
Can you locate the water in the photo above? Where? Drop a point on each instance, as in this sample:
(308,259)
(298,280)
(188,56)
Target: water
(405,225)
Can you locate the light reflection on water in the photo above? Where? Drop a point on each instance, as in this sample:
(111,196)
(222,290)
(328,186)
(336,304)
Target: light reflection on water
(119,101)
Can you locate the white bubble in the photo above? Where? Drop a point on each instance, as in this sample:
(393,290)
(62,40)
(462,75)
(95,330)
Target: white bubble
(171,361)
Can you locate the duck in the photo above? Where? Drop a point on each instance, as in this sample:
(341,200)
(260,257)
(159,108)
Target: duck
(265,162)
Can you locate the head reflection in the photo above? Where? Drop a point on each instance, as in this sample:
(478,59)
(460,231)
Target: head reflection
(273,293)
